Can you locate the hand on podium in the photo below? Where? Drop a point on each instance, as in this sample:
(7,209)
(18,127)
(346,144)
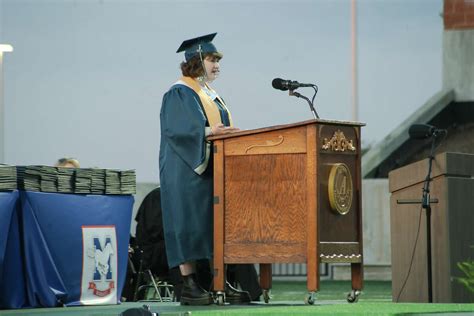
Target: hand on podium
(220,129)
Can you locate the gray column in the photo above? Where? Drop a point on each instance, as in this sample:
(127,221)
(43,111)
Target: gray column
(2,113)
(458,63)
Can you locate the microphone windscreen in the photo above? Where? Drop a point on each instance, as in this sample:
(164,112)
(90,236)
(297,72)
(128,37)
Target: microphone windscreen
(421,131)
(277,83)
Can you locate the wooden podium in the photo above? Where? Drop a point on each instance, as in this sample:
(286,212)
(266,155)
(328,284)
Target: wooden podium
(288,194)
(452,233)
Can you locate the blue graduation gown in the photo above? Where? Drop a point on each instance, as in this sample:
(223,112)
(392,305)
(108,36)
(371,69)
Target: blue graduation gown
(186,177)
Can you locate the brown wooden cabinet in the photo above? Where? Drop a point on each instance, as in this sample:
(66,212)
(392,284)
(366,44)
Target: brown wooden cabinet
(452,233)
(288,194)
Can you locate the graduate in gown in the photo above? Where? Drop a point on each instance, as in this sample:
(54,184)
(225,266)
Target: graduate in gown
(191,111)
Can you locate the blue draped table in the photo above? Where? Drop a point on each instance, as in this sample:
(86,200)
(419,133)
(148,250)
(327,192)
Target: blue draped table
(74,248)
(12,281)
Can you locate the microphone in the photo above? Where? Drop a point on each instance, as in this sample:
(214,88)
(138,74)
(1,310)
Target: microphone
(284,85)
(422,131)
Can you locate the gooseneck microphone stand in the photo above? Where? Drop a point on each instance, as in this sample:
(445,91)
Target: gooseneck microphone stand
(310,102)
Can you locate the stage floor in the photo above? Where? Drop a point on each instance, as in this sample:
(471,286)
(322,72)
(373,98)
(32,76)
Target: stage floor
(156,307)
(287,299)
(280,308)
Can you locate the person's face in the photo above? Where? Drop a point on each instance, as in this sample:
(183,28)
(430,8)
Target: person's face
(211,63)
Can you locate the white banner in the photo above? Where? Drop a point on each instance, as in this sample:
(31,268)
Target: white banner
(99,265)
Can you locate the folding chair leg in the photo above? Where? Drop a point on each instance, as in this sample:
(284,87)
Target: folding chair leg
(155,285)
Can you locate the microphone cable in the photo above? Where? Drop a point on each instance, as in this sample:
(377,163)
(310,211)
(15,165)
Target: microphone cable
(412,255)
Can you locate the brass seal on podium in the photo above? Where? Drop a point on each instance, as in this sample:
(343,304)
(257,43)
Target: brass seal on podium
(340,188)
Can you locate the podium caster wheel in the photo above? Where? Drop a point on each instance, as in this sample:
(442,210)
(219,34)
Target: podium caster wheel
(220,299)
(266,296)
(310,298)
(353,296)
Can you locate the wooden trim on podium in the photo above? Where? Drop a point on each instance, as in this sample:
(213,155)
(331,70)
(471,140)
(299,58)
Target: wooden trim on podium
(278,127)
(357,269)
(311,196)
(219,202)
(288,141)
(244,253)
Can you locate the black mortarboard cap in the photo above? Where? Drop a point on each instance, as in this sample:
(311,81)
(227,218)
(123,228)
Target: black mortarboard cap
(203,44)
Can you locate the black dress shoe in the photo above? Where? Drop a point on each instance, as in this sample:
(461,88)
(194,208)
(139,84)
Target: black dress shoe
(193,294)
(235,296)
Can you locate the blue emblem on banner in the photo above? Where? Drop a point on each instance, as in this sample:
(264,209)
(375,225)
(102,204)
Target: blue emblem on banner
(102,259)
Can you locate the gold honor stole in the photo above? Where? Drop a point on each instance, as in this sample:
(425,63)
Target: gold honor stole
(210,107)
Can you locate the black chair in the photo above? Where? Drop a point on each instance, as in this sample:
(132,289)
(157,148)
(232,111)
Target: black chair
(161,289)
(148,275)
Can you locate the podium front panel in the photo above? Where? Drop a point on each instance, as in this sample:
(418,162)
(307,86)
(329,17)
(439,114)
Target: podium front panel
(265,204)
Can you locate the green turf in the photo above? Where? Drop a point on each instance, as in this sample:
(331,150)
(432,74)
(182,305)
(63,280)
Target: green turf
(287,298)
(331,290)
(341,308)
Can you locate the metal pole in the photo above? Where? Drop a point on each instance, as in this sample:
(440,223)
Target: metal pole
(2,113)
(355,97)
(426,205)
(3,48)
